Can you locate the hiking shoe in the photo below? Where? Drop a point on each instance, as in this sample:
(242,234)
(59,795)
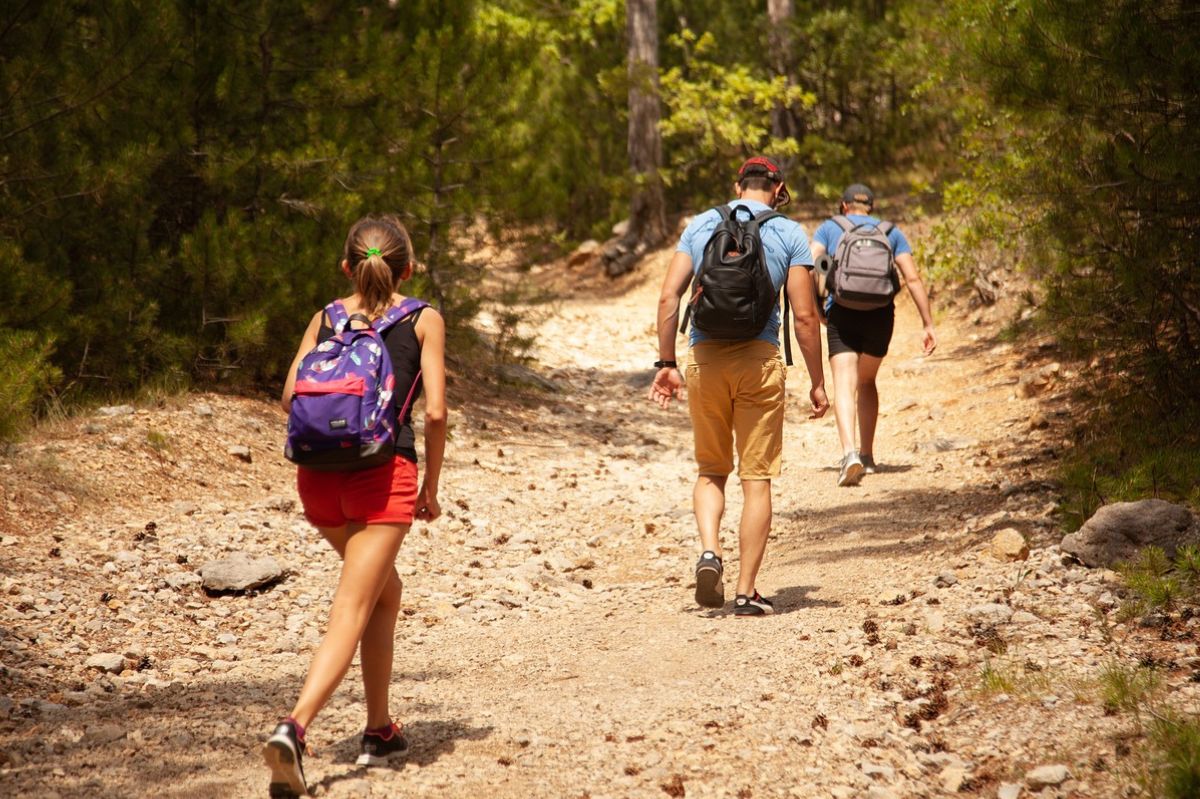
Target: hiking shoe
(756,605)
(868,463)
(284,751)
(710,592)
(851,473)
(379,746)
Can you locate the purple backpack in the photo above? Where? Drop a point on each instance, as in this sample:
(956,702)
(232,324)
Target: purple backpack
(344,414)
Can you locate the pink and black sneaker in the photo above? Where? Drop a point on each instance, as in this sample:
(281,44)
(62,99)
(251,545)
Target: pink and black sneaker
(382,744)
(284,754)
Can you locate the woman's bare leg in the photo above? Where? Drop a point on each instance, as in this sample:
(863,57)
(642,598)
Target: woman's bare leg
(368,555)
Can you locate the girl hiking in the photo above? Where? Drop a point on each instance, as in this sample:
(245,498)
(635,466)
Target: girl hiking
(365,513)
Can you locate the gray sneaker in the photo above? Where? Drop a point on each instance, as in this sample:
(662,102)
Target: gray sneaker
(852,470)
(868,463)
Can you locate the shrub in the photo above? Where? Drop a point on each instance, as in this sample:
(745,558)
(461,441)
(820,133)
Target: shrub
(25,375)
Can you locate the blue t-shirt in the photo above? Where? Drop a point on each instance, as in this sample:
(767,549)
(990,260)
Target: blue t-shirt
(830,233)
(784,242)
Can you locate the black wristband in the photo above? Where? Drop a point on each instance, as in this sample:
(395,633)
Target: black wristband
(665,365)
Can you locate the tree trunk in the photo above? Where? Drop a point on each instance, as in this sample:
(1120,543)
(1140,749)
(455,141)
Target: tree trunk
(785,122)
(647,216)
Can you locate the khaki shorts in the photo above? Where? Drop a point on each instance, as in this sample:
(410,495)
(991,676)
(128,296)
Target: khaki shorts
(735,395)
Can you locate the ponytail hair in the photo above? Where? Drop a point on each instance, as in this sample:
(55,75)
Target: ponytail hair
(379,253)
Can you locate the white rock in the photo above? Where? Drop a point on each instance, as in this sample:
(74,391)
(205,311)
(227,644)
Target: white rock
(1008,790)
(1045,776)
(115,410)
(111,662)
(240,572)
(991,613)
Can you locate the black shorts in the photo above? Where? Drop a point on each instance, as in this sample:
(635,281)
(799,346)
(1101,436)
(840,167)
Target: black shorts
(864,332)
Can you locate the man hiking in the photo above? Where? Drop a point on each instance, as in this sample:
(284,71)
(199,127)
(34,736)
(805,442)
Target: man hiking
(735,376)
(860,315)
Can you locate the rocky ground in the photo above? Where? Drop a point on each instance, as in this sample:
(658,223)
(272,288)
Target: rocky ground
(549,645)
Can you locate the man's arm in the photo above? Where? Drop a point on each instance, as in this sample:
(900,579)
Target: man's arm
(802,297)
(908,268)
(668,382)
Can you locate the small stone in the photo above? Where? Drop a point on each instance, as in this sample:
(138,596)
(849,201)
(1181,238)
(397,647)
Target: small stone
(945,580)
(991,613)
(202,409)
(877,770)
(104,734)
(181,580)
(115,410)
(241,452)
(1008,790)
(1047,776)
(1009,545)
(240,572)
(952,778)
(110,662)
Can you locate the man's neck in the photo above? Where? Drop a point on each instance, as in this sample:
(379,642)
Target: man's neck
(764,197)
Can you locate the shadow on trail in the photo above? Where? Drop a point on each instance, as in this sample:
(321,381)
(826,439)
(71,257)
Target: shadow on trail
(428,739)
(902,522)
(198,739)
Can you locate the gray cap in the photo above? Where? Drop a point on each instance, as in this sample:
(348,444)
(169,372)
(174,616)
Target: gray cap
(858,193)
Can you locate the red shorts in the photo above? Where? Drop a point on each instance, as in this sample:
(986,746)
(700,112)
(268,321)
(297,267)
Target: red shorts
(380,495)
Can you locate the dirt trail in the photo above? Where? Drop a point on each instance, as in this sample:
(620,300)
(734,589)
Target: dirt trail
(550,646)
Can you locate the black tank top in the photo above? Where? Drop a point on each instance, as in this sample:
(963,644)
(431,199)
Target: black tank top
(405,351)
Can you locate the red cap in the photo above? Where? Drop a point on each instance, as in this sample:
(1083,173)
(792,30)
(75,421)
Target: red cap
(761,166)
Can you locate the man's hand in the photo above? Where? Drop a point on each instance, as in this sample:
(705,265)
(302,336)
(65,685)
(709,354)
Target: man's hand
(820,402)
(928,340)
(667,383)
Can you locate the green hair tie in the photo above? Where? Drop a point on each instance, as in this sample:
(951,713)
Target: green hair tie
(373,251)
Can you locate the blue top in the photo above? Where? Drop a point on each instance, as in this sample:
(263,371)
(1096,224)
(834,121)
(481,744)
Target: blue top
(830,233)
(784,242)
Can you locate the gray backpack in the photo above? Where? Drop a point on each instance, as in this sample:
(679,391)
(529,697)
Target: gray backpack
(863,276)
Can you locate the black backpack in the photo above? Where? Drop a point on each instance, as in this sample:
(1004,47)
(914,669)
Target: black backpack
(732,293)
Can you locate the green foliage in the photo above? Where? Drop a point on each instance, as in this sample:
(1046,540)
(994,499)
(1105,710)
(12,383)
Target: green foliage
(26,375)
(1127,687)
(1100,165)
(1125,454)
(1173,769)
(1158,583)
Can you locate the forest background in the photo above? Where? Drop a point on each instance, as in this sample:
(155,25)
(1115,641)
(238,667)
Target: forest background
(176,177)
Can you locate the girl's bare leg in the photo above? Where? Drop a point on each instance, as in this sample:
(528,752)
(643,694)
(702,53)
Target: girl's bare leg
(368,555)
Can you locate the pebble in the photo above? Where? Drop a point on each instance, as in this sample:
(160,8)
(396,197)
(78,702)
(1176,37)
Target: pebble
(115,410)
(1008,790)
(1047,776)
(110,662)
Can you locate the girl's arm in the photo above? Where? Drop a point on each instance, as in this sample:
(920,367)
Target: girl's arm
(431,333)
(308,341)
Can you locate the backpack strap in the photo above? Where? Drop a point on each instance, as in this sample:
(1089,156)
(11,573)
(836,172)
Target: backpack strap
(725,213)
(407,307)
(784,333)
(844,222)
(335,312)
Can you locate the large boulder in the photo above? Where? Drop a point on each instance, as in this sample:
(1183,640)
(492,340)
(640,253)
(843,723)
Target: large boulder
(1116,532)
(240,572)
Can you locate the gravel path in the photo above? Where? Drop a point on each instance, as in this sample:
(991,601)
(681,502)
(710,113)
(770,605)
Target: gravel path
(549,645)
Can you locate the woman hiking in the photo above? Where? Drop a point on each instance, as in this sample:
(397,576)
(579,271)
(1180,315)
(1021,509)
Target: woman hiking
(364,514)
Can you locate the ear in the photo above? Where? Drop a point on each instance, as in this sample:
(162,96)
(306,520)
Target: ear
(408,271)
(737,190)
(346,268)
